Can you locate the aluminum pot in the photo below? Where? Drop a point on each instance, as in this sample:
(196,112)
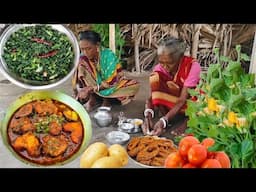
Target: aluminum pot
(37,85)
(103,116)
(56,95)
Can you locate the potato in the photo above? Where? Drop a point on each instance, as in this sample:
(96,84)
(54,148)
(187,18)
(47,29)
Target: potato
(119,152)
(92,153)
(70,115)
(107,162)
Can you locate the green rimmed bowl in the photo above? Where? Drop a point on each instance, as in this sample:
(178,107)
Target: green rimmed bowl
(56,95)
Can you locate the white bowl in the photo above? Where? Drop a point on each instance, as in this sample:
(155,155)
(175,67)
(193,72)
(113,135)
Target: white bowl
(117,137)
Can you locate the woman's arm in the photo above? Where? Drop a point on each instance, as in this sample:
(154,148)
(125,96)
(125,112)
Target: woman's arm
(160,125)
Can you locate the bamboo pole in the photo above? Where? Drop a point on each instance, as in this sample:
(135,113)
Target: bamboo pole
(252,68)
(195,40)
(225,46)
(136,49)
(112,42)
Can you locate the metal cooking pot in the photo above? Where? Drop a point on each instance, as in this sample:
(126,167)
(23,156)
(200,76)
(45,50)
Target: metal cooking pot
(103,116)
(56,95)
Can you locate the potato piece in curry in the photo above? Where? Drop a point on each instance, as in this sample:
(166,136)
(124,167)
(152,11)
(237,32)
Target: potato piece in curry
(29,142)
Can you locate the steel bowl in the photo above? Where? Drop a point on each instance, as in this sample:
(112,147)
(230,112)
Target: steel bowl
(56,95)
(117,137)
(128,126)
(37,85)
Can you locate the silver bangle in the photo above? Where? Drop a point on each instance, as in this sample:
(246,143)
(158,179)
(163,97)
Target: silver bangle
(165,121)
(149,110)
(98,87)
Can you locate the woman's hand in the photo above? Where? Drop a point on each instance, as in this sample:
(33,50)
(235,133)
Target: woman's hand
(96,88)
(105,84)
(120,76)
(158,128)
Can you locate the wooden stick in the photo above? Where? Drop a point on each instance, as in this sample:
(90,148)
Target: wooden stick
(195,40)
(136,49)
(112,42)
(252,68)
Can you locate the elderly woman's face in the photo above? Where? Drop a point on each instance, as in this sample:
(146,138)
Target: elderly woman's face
(167,62)
(89,49)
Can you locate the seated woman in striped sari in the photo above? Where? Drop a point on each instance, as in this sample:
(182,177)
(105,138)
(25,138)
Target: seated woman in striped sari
(99,75)
(170,81)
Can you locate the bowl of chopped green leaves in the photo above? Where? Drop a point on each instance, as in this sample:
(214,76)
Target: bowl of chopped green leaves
(38,56)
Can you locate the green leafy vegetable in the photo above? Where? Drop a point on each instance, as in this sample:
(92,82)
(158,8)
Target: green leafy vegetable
(39,53)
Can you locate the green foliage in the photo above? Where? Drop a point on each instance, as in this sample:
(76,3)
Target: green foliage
(103,30)
(226,110)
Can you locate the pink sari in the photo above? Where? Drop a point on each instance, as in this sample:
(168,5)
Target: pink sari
(166,89)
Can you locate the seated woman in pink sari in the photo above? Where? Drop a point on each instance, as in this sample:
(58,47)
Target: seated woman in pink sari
(170,81)
(99,75)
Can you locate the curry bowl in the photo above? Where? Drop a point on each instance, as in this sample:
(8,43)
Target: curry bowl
(37,56)
(28,128)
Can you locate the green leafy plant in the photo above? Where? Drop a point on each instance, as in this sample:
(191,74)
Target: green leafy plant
(103,30)
(225,110)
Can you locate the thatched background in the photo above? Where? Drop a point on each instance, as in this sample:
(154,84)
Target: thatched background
(142,40)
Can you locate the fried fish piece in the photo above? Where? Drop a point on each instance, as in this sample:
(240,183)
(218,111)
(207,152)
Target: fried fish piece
(54,145)
(46,107)
(55,128)
(21,125)
(24,111)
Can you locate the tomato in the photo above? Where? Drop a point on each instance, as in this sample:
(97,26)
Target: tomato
(208,142)
(186,143)
(185,159)
(174,160)
(197,154)
(189,165)
(210,154)
(223,158)
(211,163)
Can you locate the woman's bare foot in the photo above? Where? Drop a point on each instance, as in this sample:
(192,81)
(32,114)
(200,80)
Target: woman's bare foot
(180,130)
(90,104)
(84,93)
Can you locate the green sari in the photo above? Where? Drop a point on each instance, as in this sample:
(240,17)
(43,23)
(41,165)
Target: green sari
(108,69)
